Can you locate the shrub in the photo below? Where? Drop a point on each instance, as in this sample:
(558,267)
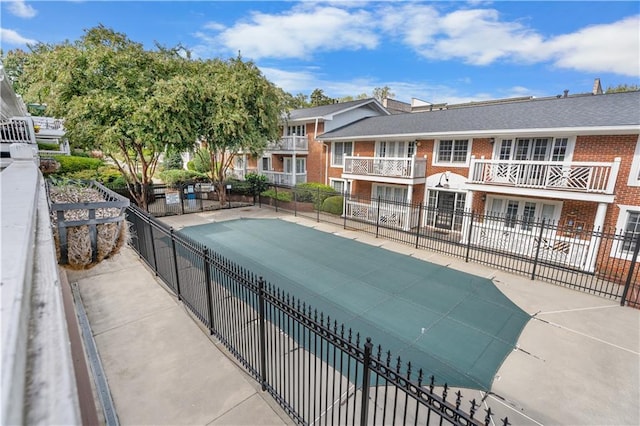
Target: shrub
(258,183)
(312,192)
(282,196)
(201,162)
(333,205)
(80,153)
(48,146)
(72,164)
(177,177)
(239,187)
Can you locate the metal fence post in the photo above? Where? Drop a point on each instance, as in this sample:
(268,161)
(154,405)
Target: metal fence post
(419,224)
(182,198)
(318,206)
(634,261)
(207,275)
(344,208)
(153,245)
(378,218)
(276,189)
(366,382)
(295,202)
(469,235)
(263,352)
(535,260)
(175,264)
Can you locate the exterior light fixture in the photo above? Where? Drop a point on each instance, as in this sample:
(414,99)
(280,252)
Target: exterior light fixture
(444,175)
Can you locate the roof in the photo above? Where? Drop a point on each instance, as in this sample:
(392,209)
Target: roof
(605,111)
(327,111)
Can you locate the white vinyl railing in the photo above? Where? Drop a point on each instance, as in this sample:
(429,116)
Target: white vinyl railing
(289,143)
(17,130)
(48,123)
(400,167)
(281,178)
(385,214)
(241,173)
(577,176)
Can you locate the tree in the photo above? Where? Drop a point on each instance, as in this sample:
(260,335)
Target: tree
(381,93)
(623,88)
(115,96)
(172,160)
(233,108)
(318,98)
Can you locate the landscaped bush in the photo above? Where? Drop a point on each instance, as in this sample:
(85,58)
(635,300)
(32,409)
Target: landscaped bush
(282,196)
(48,146)
(80,153)
(239,187)
(200,162)
(72,164)
(175,178)
(172,160)
(312,192)
(108,175)
(333,205)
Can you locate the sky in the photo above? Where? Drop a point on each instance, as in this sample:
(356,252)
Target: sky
(433,51)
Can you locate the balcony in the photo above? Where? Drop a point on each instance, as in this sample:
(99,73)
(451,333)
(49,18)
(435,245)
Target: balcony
(593,181)
(290,144)
(385,169)
(282,178)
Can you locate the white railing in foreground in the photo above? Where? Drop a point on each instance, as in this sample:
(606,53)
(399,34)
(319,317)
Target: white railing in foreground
(17,130)
(281,178)
(597,177)
(35,340)
(400,167)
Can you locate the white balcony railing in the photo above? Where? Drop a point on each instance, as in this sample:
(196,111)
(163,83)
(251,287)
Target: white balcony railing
(241,173)
(400,167)
(281,178)
(290,144)
(17,130)
(577,176)
(48,123)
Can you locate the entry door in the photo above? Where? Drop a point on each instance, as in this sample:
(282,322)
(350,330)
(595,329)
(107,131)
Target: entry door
(288,165)
(446,205)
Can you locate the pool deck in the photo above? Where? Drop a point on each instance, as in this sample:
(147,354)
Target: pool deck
(577,361)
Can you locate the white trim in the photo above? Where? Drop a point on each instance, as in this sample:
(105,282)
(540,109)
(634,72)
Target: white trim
(333,150)
(621,224)
(537,201)
(634,173)
(436,149)
(571,144)
(558,131)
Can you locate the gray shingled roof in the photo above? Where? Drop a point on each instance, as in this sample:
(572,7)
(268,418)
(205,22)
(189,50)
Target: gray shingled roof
(616,109)
(324,110)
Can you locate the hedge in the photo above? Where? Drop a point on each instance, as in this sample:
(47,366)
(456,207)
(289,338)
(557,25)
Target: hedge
(333,205)
(72,164)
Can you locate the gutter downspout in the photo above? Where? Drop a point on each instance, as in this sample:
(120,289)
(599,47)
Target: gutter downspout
(326,161)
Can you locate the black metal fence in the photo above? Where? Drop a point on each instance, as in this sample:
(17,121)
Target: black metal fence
(599,261)
(163,200)
(317,370)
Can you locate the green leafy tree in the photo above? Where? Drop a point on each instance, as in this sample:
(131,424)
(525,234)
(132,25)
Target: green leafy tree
(115,96)
(318,98)
(172,161)
(383,92)
(623,88)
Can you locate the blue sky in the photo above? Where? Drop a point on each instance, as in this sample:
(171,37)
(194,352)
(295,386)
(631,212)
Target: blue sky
(434,51)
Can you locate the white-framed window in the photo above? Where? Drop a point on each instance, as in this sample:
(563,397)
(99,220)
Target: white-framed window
(629,225)
(340,185)
(634,173)
(301,165)
(395,149)
(298,130)
(266,163)
(338,151)
(522,213)
(452,152)
(534,149)
(397,193)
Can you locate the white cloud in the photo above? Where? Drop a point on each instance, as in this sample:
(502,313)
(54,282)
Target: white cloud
(611,48)
(11,37)
(214,26)
(21,9)
(300,32)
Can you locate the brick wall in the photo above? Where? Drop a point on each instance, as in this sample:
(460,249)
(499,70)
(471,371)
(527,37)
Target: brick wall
(316,157)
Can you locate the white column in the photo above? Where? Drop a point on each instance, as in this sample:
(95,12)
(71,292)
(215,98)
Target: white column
(408,210)
(468,202)
(594,244)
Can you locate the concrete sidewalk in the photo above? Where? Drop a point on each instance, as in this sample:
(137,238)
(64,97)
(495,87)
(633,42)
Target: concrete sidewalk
(162,369)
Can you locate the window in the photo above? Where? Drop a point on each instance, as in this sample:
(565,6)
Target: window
(339,185)
(452,152)
(533,149)
(299,130)
(631,232)
(634,174)
(300,165)
(390,193)
(522,213)
(266,163)
(339,151)
(396,149)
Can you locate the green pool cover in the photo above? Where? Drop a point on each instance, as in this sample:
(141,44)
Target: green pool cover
(454,325)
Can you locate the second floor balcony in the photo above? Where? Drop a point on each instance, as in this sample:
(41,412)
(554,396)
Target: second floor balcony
(570,178)
(391,169)
(289,144)
(284,178)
